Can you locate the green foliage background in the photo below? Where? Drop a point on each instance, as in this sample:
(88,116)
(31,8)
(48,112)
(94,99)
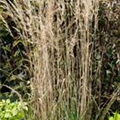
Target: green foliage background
(109,46)
(14,54)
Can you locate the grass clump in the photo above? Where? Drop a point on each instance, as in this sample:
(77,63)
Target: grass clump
(61,33)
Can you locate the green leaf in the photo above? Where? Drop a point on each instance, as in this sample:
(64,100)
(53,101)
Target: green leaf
(111,118)
(16,43)
(13,77)
(1,10)
(8,101)
(14,113)
(8,115)
(16,53)
(108,71)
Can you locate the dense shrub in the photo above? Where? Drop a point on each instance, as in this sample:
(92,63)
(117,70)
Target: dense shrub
(12,110)
(107,57)
(109,36)
(116,116)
